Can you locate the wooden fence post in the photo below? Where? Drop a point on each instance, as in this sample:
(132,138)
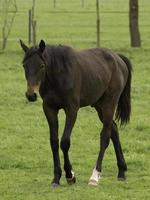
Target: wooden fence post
(33,8)
(54,3)
(98,23)
(82,3)
(33,24)
(30,27)
(34,32)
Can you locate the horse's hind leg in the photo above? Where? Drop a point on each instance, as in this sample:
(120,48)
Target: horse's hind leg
(105,137)
(119,154)
(65,144)
(106,115)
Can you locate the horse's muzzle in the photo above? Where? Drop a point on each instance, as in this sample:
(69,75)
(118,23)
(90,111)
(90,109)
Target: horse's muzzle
(32,97)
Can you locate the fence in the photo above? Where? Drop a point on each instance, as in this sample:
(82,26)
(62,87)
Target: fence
(74,22)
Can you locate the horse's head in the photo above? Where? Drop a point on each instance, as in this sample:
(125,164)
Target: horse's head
(34,68)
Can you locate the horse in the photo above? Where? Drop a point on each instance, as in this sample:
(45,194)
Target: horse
(69,79)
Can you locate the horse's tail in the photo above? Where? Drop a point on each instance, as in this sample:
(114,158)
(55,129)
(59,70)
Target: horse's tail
(123,110)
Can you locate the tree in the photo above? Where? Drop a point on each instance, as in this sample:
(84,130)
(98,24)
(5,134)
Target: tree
(9,9)
(133,23)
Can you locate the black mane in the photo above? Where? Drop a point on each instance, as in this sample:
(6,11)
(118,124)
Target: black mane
(59,57)
(30,52)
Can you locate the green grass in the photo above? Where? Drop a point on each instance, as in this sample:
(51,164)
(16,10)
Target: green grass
(26,166)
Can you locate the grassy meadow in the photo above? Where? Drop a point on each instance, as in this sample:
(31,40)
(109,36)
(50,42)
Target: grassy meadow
(26,167)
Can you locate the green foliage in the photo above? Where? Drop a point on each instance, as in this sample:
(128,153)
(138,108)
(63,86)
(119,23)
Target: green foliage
(26,166)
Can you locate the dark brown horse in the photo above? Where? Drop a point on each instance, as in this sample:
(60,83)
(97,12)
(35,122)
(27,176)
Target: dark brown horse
(70,79)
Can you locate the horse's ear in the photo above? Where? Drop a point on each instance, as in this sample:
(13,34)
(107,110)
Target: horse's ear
(24,47)
(42,45)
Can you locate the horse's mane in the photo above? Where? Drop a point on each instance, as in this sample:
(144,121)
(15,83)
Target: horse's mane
(59,56)
(31,51)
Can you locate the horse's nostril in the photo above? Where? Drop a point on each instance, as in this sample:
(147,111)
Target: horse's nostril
(32,97)
(35,96)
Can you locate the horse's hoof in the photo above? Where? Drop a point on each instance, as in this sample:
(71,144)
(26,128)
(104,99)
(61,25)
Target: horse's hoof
(93,182)
(94,179)
(121,178)
(71,181)
(55,185)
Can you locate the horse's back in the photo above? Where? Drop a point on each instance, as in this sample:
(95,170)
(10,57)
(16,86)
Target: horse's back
(100,69)
(106,63)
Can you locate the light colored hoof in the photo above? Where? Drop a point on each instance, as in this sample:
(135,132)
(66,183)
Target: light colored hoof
(94,179)
(93,182)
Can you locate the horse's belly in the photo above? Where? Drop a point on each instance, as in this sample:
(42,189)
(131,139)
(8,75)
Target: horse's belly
(94,83)
(91,95)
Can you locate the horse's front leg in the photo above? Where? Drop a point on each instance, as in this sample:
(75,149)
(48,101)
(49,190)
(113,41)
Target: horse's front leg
(71,116)
(52,118)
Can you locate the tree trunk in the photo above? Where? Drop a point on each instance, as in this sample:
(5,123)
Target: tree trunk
(133,23)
